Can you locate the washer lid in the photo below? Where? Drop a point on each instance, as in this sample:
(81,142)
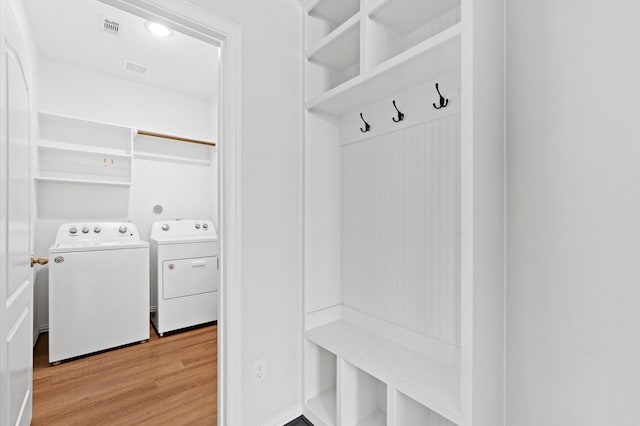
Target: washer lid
(97,246)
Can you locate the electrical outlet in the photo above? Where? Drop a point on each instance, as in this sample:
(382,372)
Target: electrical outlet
(259,371)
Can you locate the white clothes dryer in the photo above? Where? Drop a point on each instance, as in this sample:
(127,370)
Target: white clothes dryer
(185,272)
(98,289)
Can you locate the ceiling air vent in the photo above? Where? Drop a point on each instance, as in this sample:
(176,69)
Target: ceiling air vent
(112,27)
(136,68)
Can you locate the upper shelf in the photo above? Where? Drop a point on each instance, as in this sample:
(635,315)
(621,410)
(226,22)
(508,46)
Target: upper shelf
(405,16)
(76,131)
(429,381)
(434,57)
(341,48)
(76,148)
(334,11)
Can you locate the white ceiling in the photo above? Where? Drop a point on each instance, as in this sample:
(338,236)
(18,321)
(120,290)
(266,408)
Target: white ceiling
(72,31)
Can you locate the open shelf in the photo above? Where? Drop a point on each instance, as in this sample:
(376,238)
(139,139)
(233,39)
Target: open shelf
(406,16)
(378,418)
(324,406)
(339,50)
(163,149)
(335,11)
(82,181)
(69,163)
(409,412)
(432,58)
(85,133)
(363,397)
(321,385)
(431,382)
(69,147)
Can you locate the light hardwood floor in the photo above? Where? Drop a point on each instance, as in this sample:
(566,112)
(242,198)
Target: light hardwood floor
(166,381)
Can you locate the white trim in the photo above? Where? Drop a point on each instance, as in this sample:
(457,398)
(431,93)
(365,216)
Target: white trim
(322,317)
(284,417)
(200,23)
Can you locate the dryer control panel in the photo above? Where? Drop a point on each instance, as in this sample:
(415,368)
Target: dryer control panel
(179,228)
(97,232)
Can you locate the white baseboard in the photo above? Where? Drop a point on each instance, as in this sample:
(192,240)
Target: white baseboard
(38,330)
(284,417)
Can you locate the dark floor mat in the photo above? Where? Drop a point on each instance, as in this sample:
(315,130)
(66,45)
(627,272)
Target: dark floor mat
(300,421)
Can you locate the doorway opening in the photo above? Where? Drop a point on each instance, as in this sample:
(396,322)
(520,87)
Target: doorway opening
(208,180)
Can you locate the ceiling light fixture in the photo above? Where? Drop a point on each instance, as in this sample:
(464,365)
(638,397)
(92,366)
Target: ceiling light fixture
(158,29)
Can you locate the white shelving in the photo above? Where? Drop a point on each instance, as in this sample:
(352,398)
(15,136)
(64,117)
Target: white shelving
(429,381)
(321,385)
(363,397)
(85,134)
(74,150)
(393,13)
(428,60)
(378,418)
(323,406)
(395,291)
(84,168)
(334,11)
(410,412)
(68,163)
(82,181)
(339,50)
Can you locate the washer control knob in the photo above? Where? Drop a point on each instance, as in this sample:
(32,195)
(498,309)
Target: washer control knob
(165,226)
(97,229)
(85,230)
(73,230)
(205,226)
(197,226)
(122,229)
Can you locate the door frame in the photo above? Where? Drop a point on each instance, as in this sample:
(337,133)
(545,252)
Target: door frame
(200,23)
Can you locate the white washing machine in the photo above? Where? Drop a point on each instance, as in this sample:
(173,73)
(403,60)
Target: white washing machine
(98,289)
(185,270)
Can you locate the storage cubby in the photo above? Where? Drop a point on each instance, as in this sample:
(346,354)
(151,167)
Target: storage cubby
(324,16)
(363,398)
(410,413)
(320,385)
(335,59)
(394,26)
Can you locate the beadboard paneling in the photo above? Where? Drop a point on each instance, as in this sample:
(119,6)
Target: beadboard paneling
(401,226)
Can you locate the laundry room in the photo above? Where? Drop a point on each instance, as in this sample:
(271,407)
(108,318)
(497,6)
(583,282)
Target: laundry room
(125,181)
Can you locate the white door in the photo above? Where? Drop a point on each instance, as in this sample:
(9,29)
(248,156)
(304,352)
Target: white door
(16,278)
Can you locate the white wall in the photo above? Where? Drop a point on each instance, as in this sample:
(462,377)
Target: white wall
(80,92)
(573,317)
(271,198)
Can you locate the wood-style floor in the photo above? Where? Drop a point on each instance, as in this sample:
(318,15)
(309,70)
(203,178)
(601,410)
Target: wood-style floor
(167,381)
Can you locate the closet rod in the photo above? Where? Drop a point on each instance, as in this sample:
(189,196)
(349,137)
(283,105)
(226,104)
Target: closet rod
(175,138)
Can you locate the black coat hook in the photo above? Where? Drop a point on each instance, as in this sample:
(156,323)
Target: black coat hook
(400,114)
(367,126)
(443,102)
